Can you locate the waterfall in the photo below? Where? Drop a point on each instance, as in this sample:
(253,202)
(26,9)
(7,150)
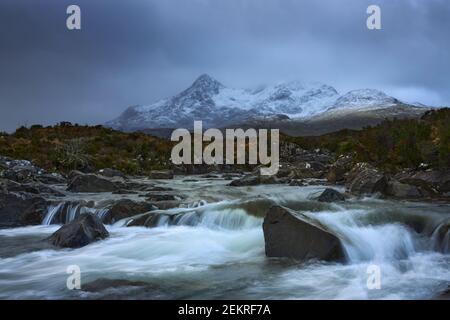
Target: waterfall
(66,212)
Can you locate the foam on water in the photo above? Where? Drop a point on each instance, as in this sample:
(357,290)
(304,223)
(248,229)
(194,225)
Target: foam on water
(216,250)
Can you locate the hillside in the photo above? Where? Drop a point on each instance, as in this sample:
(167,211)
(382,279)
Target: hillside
(391,145)
(65,147)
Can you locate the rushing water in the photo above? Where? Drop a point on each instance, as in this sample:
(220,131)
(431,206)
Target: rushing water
(215,250)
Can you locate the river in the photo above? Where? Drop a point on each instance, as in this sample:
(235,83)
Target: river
(216,250)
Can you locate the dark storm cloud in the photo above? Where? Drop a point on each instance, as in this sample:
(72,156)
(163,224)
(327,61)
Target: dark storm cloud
(135,51)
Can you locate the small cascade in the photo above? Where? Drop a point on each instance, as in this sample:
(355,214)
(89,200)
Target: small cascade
(441,237)
(66,212)
(364,241)
(222,215)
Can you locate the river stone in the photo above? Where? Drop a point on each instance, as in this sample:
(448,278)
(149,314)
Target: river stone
(91,183)
(253,180)
(402,190)
(433,181)
(339,170)
(85,229)
(126,208)
(292,235)
(330,195)
(366,179)
(161,174)
(21,209)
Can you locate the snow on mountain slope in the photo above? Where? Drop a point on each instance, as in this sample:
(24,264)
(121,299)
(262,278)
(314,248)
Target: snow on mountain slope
(364,98)
(217,106)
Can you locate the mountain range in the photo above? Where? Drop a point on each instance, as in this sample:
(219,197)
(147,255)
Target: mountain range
(295,107)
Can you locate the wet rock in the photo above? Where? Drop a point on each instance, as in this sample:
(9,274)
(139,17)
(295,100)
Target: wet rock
(161,174)
(330,195)
(111,173)
(82,231)
(431,181)
(51,178)
(126,208)
(292,235)
(21,209)
(91,183)
(253,180)
(402,190)
(20,173)
(30,187)
(366,179)
(68,210)
(339,170)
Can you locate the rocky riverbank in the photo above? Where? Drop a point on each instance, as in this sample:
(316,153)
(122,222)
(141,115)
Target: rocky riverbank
(316,218)
(31,196)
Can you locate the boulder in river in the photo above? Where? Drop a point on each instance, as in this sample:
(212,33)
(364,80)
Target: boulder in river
(85,229)
(366,179)
(253,179)
(125,208)
(434,182)
(161,174)
(293,235)
(339,169)
(21,209)
(330,195)
(402,190)
(91,183)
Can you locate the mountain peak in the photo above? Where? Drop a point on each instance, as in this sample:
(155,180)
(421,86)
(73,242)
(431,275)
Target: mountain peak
(365,98)
(208,83)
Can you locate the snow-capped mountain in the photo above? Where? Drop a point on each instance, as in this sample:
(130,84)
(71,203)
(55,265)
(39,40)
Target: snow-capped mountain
(218,106)
(365,99)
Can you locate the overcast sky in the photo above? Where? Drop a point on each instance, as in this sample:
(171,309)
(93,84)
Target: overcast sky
(134,51)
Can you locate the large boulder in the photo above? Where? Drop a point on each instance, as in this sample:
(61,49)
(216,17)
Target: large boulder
(253,179)
(339,170)
(91,183)
(293,235)
(21,209)
(430,181)
(85,229)
(330,195)
(126,208)
(161,174)
(402,190)
(366,179)
(29,187)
